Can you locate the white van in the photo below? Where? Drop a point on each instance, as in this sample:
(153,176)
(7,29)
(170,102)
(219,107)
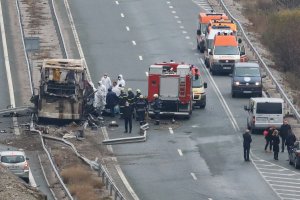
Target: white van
(264,112)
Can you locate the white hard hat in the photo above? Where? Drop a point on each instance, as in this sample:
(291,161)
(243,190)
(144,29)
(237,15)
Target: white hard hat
(141,96)
(129,89)
(138,91)
(155,95)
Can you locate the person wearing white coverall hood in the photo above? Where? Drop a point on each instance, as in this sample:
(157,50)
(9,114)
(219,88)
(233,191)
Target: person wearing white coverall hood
(100,97)
(121,81)
(106,81)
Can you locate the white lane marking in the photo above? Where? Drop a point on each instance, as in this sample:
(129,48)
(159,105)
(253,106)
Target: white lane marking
(222,100)
(122,15)
(284,182)
(168,2)
(117,2)
(210,199)
(147,74)
(171,7)
(173,11)
(179,22)
(31,179)
(180,152)
(118,168)
(171,130)
(176,17)
(133,42)
(283,178)
(8,72)
(182,27)
(287,186)
(127,28)
(279,170)
(295,195)
(194,176)
(187,37)
(288,190)
(184,32)
(277,174)
(141,57)
(266,165)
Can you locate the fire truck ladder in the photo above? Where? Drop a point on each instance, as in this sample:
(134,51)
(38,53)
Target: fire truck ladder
(182,87)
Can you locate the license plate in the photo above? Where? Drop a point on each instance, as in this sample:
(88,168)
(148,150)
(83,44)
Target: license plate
(226,67)
(247,92)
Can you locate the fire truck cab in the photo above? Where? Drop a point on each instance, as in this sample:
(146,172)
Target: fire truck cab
(173,84)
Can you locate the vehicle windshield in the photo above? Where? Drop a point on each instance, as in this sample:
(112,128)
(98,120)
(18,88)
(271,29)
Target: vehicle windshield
(247,71)
(226,50)
(197,83)
(269,108)
(12,159)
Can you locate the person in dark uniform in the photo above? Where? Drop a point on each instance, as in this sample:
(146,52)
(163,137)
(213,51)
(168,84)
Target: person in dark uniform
(122,100)
(111,101)
(156,105)
(127,115)
(290,140)
(141,107)
(268,138)
(284,129)
(246,144)
(275,142)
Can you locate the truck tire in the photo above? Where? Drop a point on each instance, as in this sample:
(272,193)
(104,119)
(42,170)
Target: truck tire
(203,106)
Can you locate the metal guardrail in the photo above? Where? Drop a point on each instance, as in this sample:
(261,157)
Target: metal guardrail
(289,104)
(106,179)
(32,129)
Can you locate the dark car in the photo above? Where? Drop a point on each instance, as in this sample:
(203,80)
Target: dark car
(294,155)
(246,79)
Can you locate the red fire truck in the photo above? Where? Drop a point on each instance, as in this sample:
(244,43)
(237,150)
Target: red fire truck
(173,84)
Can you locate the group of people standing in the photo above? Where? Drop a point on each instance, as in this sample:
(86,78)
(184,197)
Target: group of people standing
(113,96)
(272,137)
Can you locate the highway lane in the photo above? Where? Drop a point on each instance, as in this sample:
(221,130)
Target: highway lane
(201,156)
(21,89)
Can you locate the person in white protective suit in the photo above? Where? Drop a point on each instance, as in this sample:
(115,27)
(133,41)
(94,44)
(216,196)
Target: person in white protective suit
(100,97)
(106,81)
(121,81)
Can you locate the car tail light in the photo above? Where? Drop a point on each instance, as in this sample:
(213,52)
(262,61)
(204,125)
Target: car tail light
(26,166)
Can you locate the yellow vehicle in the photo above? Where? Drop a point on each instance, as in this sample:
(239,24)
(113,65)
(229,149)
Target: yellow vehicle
(198,88)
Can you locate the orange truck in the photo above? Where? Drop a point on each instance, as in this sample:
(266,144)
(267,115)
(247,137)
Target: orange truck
(203,21)
(225,53)
(214,24)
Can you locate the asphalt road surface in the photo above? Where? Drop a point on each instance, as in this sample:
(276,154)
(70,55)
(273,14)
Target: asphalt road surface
(6,125)
(201,158)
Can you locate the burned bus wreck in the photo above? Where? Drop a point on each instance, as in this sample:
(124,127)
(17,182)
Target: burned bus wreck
(64,91)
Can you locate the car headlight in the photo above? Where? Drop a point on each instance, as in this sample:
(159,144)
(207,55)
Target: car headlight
(257,83)
(236,83)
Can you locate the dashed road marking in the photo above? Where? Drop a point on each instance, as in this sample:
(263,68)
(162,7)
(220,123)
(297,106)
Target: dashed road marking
(194,176)
(179,22)
(171,130)
(180,152)
(176,17)
(133,42)
(184,32)
(187,37)
(117,2)
(122,15)
(127,28)
(182,27)
(174,12)
(171,7)
(168,2)
(141,57)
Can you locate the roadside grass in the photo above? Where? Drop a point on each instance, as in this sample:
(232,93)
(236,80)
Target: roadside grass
(82,183)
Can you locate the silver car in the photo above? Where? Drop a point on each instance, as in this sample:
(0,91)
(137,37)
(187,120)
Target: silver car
(16,162)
